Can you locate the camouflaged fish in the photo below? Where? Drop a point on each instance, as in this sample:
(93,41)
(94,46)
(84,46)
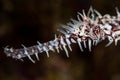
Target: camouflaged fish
(87,31)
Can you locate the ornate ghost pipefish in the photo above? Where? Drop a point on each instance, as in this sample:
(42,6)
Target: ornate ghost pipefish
(87,31)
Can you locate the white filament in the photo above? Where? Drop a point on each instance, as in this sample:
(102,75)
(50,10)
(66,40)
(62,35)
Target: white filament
(27,54)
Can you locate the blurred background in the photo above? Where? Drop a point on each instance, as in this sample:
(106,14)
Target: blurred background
(28,21)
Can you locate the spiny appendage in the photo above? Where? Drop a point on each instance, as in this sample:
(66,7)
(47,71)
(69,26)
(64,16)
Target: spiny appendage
(59,42)
(88,30)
